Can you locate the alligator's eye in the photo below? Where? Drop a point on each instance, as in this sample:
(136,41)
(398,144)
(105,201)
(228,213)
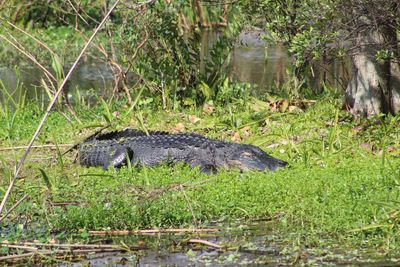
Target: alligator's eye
(246,154)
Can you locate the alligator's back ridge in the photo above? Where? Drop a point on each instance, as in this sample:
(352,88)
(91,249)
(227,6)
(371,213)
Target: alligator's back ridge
(114,135)
(117,148)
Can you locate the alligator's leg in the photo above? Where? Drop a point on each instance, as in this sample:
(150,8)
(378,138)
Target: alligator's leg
(209,169)
(121,157)
(205,167)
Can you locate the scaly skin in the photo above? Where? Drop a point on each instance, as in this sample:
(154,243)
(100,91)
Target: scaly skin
(116,148)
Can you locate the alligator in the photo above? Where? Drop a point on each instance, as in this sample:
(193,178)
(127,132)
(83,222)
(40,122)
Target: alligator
(134,147)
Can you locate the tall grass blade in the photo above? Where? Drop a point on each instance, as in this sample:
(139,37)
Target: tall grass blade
(137,98)
(56,65)
(106,113)
(59,154)
(48,182)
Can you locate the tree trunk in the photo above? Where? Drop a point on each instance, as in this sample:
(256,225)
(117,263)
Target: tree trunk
(375,84)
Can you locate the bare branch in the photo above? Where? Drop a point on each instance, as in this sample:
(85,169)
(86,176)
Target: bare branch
(42,122)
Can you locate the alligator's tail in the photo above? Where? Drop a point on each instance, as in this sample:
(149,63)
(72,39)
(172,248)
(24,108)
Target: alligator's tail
(92,154)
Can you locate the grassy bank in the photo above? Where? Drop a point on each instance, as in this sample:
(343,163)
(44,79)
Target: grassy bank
(342,185)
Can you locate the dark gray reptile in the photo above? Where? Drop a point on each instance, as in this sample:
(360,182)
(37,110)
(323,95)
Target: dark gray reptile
(117,148)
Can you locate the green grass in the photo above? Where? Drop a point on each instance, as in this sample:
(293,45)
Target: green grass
(342,184)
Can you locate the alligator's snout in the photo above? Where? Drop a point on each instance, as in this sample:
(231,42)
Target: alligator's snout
(248,157)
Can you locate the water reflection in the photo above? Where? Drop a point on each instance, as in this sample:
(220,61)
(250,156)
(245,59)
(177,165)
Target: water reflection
(28,80)
(252,61)
(13,83)
(255,62)
(269,66)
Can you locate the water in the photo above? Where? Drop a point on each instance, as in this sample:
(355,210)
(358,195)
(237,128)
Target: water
(91,77)
(255,62)
(252,61)
(253,243)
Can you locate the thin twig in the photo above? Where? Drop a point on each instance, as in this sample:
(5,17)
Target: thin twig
(205,242)
(66,251)
(35,39)
(68,246)
(57,253)
(92,250)
(151,195)
(13,257)
(37,146)
(61,250)
(26,248)
(14,206)
(57,204)
(77,12)
(74,146)
(28,55)
(71,109)
(153,231)
(39,128)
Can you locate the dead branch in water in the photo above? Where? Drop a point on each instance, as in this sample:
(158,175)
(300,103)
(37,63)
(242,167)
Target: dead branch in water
(81,247)
(204,242)
(59,251)
(154,231)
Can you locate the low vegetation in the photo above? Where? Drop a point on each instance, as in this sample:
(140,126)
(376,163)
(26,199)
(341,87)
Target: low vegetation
(342,185)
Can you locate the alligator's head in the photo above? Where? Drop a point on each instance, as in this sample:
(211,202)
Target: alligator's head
(248,157)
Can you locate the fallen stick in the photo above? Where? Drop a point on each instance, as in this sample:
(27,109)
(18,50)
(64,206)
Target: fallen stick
(34,251)
(72,203)
(18,256)
(59,253)
(153,231)
(71,246)
(204,242)
(36,146)
(93,250)
(76,145)
(28,248)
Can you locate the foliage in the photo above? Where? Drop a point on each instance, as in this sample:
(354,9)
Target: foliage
(176,60)
(342,171)
(163,42)
(61,40)
(303,25)
(56,13)
(313,29)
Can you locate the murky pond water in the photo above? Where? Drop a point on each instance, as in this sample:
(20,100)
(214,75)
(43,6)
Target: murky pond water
(92,78)
(252,244)
(242,243)
(255,61)
(252,61)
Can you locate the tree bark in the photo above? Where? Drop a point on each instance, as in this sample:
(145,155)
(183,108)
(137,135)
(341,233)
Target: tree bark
(375,84)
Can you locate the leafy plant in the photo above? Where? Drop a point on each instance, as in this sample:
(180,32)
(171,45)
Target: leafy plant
(178,60)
